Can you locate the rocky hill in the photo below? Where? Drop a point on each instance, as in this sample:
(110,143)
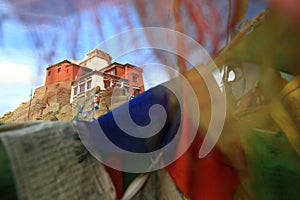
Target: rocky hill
(48,103)
(52,103)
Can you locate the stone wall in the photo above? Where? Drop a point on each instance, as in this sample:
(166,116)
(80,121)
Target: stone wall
(47,101)
(51,103)
(82,106)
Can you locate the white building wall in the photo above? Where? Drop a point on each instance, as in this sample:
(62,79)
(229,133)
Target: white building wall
(96,79)
(95,63)
(72,94)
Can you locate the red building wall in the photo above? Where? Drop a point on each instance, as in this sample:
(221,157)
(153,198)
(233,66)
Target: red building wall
(135,77)
(130,72)
(63,71)
(120,71)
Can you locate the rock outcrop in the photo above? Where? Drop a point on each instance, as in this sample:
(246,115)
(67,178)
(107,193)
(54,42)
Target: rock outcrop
(52,103)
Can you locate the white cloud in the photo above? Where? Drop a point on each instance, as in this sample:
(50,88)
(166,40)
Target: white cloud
(16,82)
(12,95)
(19,73)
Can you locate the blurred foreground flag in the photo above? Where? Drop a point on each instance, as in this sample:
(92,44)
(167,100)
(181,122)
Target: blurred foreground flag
(207,178)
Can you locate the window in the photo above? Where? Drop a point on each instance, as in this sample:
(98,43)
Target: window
(49,73)
(106,83)
(136,92)
(125,91)
(75,91)
(135,78)
(89,84)
(81,88)
(58,69)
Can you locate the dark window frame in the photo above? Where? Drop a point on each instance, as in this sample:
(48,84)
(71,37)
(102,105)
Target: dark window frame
(75,90)
(81,88)
(89,84)
(135,77)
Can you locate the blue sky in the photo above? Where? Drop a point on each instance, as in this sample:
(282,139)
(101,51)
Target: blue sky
(32,39)
(23,62)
